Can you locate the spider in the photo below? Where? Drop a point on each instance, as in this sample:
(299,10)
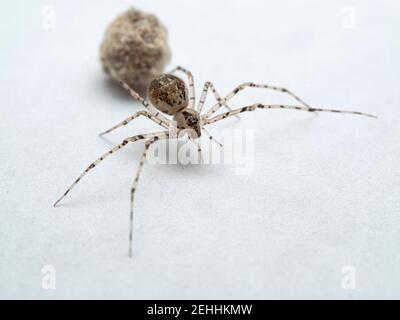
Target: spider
(169,95)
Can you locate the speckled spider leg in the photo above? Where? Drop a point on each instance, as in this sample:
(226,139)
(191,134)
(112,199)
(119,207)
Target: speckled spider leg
(252,85)
(105,155)
(203,97)
(138,97)
(192,96)
(211,137)
(270,106)
(163,135)
(154,117)
(200,158)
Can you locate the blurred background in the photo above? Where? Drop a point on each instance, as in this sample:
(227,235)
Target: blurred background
(318,217)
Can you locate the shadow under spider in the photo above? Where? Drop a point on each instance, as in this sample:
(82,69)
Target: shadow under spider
(112,86)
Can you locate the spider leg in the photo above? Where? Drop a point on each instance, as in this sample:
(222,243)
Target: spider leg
(211,137)
(191,84)
(252,85)
(277,106)
(203,97)
(163,135)
(137,96)
(154,117)
(105,155)
(200,159)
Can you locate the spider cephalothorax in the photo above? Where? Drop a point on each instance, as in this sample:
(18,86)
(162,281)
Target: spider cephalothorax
(170,95)
(189,120)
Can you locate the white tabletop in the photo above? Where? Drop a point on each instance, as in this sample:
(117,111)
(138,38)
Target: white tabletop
(317,217)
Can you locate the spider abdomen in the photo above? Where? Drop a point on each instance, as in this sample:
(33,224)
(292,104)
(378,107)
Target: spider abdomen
(168,94)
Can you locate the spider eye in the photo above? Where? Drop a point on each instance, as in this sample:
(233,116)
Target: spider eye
(190,120)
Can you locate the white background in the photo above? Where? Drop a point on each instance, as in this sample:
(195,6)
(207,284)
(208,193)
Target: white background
(324,192)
